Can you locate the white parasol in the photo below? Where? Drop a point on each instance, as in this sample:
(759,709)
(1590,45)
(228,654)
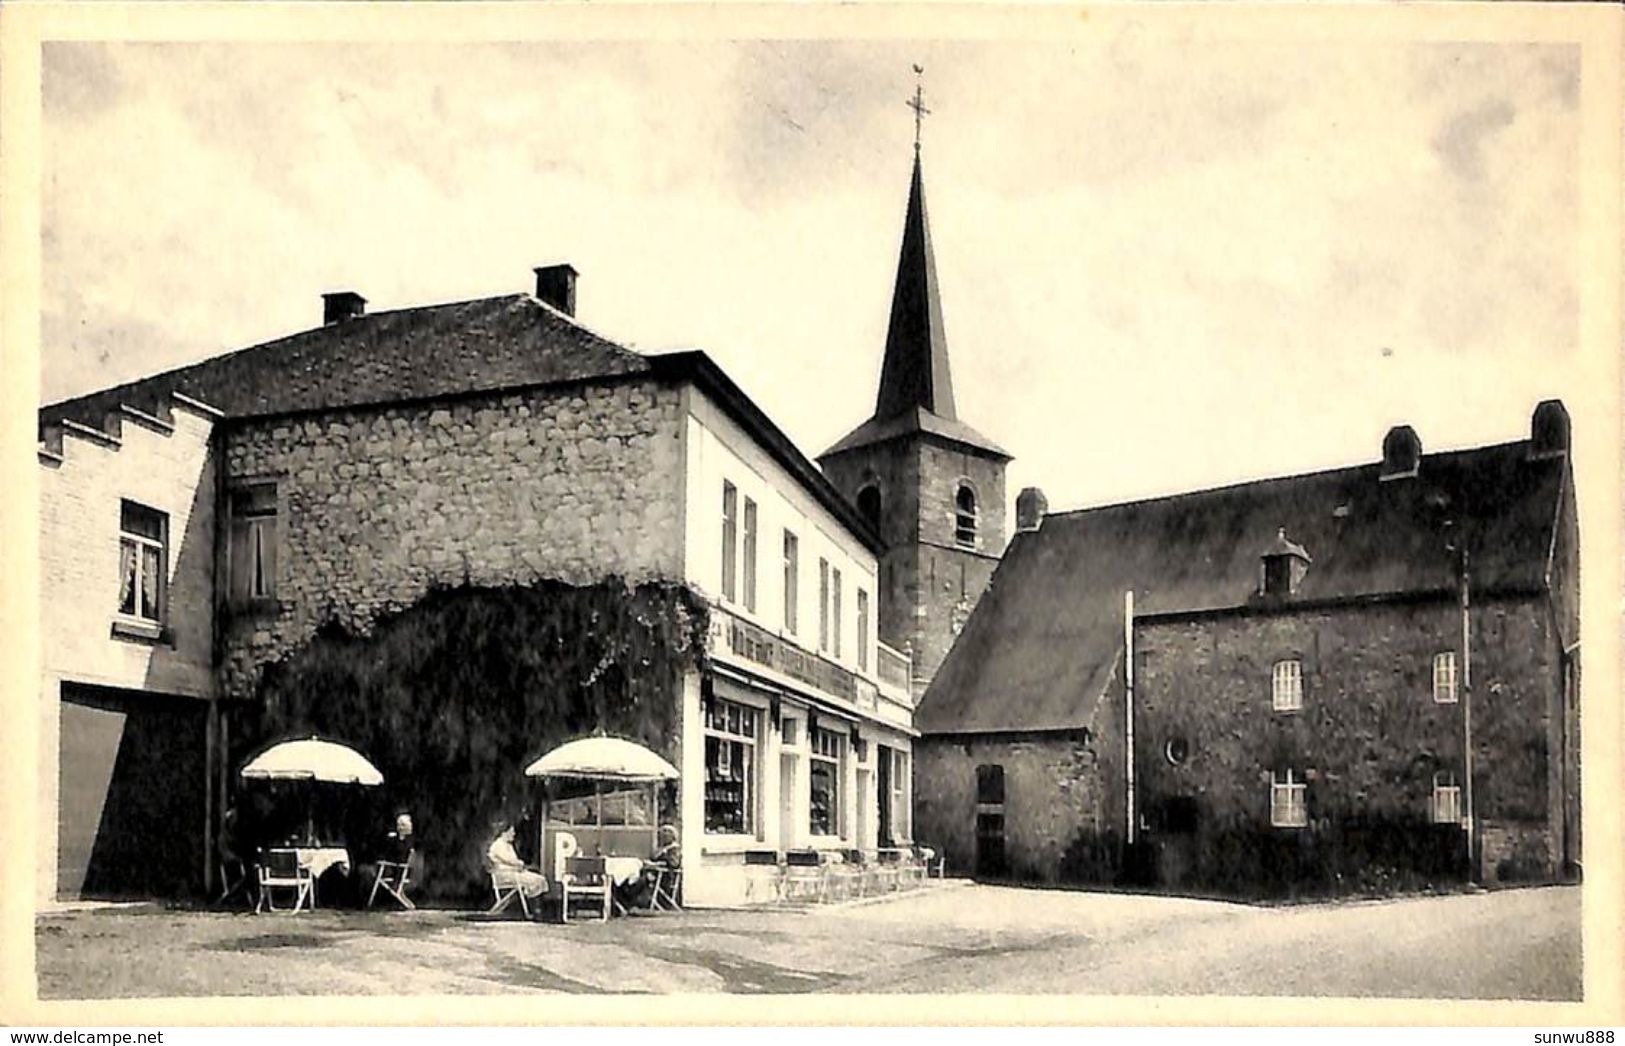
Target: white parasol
(313,760)
(603,759)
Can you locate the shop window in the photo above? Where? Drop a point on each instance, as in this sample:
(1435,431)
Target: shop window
(1289,800)
(251,554)
(824,771)
(1286,686)
(1444,677)
(899,793)
(730,768)
(143,562)
(1446,804)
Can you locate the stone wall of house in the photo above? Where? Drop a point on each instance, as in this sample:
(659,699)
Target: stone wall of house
(1369,737)
(377,505)
(1063,803)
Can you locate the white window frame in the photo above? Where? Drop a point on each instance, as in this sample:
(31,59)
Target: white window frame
(139,544)
(835,611)
(748,552)
(901,826)
(730,541)
(828,747)
(823,603)
(792,579)
(1445,805)
(718,725)
(863,630)
(1444,678)
(1289,800)
(1286,685)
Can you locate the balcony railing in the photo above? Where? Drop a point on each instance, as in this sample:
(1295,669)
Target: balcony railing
(895,670)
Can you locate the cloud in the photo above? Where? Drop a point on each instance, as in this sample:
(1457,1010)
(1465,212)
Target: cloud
(1460,142)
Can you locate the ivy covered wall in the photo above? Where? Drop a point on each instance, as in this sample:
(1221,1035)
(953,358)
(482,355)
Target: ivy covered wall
(452,697)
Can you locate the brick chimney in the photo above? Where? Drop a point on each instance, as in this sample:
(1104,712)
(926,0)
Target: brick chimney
(1549,430)
(556,285)
(1031,505)
(1401,453)
(342,305)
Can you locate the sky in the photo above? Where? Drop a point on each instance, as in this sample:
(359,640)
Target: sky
(1168,260)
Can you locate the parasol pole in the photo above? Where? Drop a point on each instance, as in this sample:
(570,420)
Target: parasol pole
(598,801)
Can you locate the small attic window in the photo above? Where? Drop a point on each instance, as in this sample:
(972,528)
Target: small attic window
(1285,564)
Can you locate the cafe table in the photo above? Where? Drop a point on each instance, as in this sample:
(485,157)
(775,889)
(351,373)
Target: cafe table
(318,859)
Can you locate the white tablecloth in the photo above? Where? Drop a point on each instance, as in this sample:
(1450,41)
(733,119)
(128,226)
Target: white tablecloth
(623,870)
(318,859)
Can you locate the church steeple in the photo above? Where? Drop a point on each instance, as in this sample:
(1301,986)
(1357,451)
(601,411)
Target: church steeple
(915,372)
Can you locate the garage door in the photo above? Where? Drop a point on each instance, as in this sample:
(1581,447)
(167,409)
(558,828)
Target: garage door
(132,781)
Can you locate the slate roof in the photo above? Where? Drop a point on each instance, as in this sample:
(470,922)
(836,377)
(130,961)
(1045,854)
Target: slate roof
(415,353)
(1046,637)
(916,420)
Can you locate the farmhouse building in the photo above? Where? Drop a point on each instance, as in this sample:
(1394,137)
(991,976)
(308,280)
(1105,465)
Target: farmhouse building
(1341,680)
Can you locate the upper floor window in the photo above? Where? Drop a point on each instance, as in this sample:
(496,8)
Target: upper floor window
(143,561)
(823,603)
(792,580)
(965,518)
(1289,805)
(990,783)
(730,768)
(863,630)
(749,570)
(1444,677)
(869,505)
(1286,686)
(251,554)
(835,610)
(730,538)
(1446,805)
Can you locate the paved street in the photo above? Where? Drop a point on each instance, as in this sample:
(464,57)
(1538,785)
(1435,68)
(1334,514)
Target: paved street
(953,938)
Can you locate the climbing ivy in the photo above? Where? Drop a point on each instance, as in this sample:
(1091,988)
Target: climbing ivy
(454,696)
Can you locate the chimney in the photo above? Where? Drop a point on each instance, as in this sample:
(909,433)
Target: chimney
(1030,508)
(342,305)
(556,285)
(1401,453)
(1549,430)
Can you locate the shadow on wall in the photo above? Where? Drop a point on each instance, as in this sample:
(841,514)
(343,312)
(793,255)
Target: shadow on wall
(454,696)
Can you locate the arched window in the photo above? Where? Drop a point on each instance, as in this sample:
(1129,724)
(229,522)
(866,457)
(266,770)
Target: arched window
(869,505)
(965,519)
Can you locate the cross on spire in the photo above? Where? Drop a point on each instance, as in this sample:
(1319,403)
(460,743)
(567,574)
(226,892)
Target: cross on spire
(917,103)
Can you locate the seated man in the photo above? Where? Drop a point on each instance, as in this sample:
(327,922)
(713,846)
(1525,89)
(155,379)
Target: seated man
(503,860)
(667,858)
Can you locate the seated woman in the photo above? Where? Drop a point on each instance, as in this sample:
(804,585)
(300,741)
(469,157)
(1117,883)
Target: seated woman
(502,859)
(667,858)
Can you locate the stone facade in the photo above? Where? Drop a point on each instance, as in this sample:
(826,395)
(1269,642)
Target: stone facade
(375,506)
(929,582)
(1060,792)
(1369,736)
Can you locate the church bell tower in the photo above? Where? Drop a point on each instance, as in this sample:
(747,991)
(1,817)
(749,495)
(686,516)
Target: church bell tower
(932,486)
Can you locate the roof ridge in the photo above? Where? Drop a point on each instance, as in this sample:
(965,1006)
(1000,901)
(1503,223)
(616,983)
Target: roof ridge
(1289,477)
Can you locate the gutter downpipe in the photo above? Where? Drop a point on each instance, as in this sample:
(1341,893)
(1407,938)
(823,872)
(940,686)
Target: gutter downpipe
(1128,701)
(1473,875)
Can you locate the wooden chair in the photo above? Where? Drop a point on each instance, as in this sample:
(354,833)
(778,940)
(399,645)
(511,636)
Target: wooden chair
(668,883)
(504,889)
(281,870)
(585,878)
(393,877)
